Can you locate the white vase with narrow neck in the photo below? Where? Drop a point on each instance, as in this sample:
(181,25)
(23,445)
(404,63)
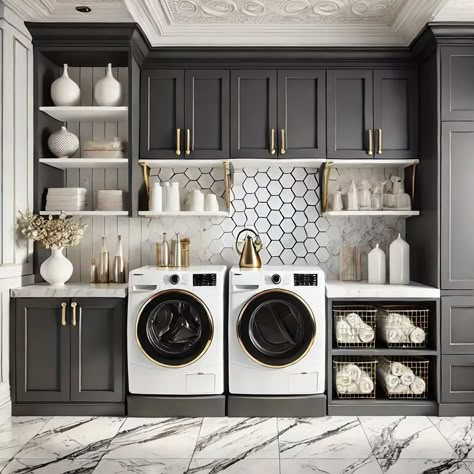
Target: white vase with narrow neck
(399,262)
(108,91)
(57,269)
(64,91)
(377,266)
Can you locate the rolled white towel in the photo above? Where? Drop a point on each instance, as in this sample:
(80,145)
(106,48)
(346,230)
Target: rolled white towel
(407,377)
(396,368)
(400,389)
(353,371)
(353,389)
(417,335)
(390,381)
(418,386)
(354,320)
(366,334)
(365,385)
(343,379)
(345,332)
(394,335)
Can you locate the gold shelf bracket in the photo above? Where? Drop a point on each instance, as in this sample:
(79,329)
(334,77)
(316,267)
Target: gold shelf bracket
(228,182)
(146,177)
(326,172)
(413,179)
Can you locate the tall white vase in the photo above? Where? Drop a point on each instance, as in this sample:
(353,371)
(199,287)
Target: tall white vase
(108,91)
(64,91)
(377,266)
(399,262)
(56,269)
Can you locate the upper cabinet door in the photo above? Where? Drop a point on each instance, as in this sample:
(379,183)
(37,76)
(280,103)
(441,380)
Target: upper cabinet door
(302,114)
(457,83)
(350,114)
(457,216)
(207,113)
(253,114)
(42,351)
(97,350)
(162,113)
(395,114)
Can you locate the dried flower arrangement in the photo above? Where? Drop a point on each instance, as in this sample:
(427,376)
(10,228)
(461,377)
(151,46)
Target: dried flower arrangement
(52,233)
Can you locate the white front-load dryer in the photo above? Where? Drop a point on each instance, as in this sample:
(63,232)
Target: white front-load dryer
(277,321)
(175,331)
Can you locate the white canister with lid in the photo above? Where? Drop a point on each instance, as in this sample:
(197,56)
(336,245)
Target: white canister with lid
(172,198)
(399,262)
(155,203)
(377,266)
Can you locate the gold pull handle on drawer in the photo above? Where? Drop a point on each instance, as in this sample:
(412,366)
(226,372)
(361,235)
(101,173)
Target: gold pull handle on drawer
(283,142)
(63,313)
(178,141)
(272,142)
(188,142)
(379,141)
(370,142)
(74,313)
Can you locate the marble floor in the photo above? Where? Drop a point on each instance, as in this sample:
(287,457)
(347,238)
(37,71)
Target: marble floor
(363,445)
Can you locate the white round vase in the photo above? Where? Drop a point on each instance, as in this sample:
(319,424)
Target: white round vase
(56,269)
(64,91)
(108,91)
(63,143)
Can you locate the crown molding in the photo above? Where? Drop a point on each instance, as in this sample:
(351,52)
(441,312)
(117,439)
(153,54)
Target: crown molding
(31,9)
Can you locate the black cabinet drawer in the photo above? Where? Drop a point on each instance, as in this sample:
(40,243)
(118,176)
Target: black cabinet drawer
(457,325)
(457,379)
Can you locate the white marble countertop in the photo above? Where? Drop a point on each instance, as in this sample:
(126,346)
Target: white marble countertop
(362,289)
(71,290)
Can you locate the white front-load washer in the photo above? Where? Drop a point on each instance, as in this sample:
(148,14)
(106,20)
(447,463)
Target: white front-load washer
(277,321)
(175,332)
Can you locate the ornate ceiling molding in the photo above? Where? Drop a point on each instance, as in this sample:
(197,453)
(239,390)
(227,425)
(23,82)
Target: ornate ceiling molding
(456,10)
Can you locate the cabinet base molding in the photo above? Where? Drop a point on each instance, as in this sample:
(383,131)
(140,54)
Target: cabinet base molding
(383,408)
(281,406)
(68,409)
(456,409)
(161,406)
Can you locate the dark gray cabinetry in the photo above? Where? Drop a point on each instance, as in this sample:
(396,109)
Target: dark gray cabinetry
(396,113)
(184,114)
(162,113)
(301,114)
(97,350)
(457,375)
(457,217)
(457,79)
(350,113)
(254,114)
(68,352)
(457,325)
(372,114)
(42,352)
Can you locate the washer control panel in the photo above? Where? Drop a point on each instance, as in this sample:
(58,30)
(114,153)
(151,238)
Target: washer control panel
(305,279)
(204,279)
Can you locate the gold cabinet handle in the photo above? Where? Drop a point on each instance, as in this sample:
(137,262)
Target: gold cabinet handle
(272,142)
(178,141)
(74,313)
(63,313)
(370,142)
(379,141)
(283,142)
(188,142)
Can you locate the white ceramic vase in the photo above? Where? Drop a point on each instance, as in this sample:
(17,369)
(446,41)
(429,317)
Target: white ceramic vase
(399,262)
(108,91)
(64,91)
(63,143)
(377,266)
(56,269)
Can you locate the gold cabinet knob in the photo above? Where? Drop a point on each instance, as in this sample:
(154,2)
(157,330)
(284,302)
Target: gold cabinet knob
(283,141)
(178,142)
(63,313)
(370,142)
(74,313)
(272,142)
(379,141)
(188,142)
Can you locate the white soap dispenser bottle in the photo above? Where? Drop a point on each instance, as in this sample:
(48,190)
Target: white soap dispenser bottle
(399,262)
(377,266)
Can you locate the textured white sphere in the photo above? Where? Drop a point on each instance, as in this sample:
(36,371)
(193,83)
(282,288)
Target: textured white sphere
(63,143)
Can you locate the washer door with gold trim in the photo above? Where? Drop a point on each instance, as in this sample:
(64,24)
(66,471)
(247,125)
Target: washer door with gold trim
(174,328)
(276,328)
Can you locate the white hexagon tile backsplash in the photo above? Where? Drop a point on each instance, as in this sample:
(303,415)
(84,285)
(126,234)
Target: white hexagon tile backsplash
(283,205)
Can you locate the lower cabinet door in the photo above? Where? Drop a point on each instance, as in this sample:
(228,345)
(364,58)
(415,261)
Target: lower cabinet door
(457,379)
(97,349)
(42,356)
(457,324)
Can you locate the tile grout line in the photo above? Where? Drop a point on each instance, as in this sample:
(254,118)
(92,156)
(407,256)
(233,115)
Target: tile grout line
(195,445)
(370,444)
(278,442)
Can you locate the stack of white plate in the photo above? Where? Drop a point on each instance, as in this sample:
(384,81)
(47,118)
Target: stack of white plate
(66,199)
(111,200)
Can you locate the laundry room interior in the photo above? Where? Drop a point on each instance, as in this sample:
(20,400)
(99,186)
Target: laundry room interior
(235,236)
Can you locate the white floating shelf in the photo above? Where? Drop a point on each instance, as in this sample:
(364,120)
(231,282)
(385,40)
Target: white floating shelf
(393,213)
(67,163)
(237,163)
(374,163)
(87,113)
(184,214)
(84,213)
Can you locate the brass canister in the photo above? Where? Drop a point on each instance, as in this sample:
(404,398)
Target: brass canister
(185,244)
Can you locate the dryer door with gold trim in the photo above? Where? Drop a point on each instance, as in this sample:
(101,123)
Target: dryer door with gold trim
(174,328)
(276,328)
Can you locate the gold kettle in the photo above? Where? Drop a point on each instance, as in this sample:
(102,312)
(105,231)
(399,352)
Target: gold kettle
(249,257)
